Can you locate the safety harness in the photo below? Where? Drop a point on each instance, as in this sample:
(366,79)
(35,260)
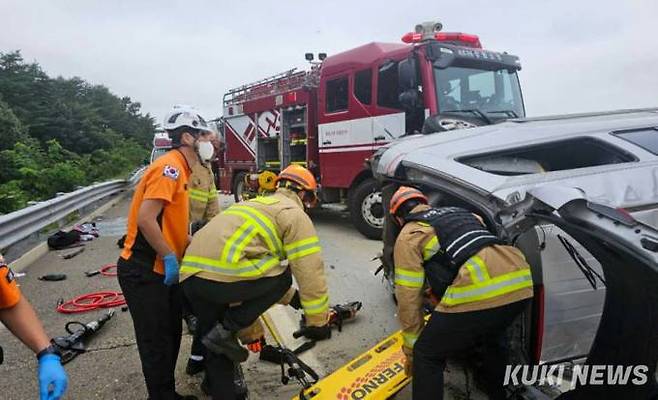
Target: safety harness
(461,237)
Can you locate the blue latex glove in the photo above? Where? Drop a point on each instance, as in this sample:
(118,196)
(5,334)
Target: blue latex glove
(51,373)
(170,269)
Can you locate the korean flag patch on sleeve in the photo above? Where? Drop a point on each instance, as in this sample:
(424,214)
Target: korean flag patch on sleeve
(170,172)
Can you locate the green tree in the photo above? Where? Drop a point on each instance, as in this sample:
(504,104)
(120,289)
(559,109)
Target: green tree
(60,133)
(11,129)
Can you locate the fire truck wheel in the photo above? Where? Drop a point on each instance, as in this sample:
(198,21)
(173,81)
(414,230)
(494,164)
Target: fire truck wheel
(239,187)
(366,209)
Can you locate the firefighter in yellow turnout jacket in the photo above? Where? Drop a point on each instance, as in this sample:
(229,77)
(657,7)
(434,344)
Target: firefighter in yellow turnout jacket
(204,204)
(482,285)
(246,255)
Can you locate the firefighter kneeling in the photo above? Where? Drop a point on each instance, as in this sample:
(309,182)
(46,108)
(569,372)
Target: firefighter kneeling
(482,284)
(238,257)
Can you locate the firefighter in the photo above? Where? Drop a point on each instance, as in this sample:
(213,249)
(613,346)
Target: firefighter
(246,255)
(19,317)
(156,238)
(204,205)
(481,286)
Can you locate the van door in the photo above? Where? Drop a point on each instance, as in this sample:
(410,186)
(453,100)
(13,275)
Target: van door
(627,251)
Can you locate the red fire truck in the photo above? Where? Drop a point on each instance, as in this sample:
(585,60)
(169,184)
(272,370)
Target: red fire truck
(332,117)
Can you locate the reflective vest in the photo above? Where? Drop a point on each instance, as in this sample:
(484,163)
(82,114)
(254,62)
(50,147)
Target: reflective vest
(468,264)
(462,236)
(494,276)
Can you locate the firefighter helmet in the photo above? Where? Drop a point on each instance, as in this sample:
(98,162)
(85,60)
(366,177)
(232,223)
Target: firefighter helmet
(182,116)
(403,194)
(299,175)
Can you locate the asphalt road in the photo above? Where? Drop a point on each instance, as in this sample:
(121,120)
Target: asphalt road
(111,368)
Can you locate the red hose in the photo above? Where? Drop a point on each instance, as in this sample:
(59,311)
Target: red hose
(106,270)
(92,301)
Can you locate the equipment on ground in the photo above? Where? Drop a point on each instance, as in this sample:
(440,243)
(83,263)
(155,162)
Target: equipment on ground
(52,277)
(74,344)
(338,314)
(105,270)
(341,313)
(376,374)
(72,254)
(291,366)
(90,302)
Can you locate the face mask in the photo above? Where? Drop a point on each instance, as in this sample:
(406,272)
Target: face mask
(205,151)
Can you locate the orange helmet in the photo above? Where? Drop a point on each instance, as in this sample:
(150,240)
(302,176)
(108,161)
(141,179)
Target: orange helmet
(300,175)
(403,194)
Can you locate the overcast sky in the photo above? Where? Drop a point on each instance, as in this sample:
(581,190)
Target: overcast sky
(577,55)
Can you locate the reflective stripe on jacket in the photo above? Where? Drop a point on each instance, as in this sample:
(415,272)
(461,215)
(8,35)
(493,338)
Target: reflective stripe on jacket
(249,240)
(204,203)
(495,276)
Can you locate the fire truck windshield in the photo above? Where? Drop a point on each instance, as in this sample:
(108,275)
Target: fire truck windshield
(491,95)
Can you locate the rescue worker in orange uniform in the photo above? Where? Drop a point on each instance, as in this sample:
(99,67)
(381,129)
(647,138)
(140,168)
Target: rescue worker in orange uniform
(480,283)
(19,317)
(246,255)
(148,268)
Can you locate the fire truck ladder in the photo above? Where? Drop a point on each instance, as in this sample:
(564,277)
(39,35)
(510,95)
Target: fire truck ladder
(273,85)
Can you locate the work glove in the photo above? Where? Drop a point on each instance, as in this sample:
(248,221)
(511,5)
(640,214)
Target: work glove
(170,269)
(51,373)
(257,345)
(295,301)
(314,332)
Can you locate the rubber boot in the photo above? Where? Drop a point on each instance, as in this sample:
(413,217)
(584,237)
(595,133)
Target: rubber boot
(241,391)
(194,366)
(191,321)
(220,340)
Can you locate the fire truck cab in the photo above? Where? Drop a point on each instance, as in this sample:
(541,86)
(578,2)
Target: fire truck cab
(333,117)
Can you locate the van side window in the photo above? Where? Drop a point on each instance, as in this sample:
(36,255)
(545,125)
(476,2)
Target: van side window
(560,155)
(388,89)
(363,86)
(645,138)
(336,95)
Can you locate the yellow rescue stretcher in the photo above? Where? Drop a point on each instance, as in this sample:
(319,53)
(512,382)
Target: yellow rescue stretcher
(374,375)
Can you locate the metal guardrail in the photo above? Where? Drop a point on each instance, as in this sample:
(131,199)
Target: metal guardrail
(20,224)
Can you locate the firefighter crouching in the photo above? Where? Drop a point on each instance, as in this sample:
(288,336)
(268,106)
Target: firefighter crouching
(246,255)
(482,284)
(204,205)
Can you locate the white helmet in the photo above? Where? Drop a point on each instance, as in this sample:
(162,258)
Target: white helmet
(185,116)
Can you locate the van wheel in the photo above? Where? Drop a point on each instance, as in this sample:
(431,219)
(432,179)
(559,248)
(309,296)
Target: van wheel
(366,209)
(239,188)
